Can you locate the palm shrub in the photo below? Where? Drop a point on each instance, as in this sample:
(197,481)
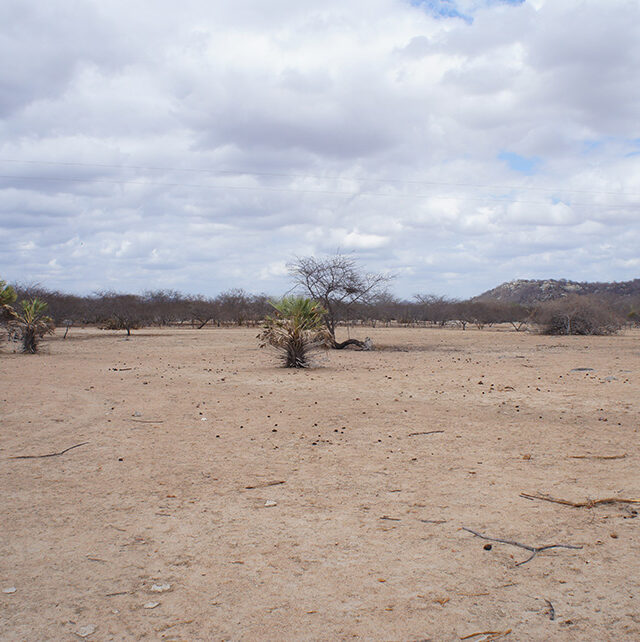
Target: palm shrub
(7,297)
(32,321)
(295,330)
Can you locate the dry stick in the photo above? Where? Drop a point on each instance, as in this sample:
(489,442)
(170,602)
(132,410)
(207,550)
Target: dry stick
(534,549)
(552,611)
(148,421)
(494,634)
(622,456)
(589,503)
(265,485)
(430,432)
(62,452)
(390,519)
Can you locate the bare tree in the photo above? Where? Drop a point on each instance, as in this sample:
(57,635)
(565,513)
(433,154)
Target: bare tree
(337,284)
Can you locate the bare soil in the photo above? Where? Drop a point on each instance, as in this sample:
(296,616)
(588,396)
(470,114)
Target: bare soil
(323,504)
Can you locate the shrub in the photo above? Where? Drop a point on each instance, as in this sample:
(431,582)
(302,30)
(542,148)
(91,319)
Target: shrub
(33,323)
(296,330)
(583,315)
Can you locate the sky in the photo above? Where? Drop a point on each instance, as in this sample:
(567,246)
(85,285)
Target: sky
(204,145)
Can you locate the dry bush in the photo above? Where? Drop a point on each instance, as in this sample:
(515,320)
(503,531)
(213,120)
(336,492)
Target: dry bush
(583,315)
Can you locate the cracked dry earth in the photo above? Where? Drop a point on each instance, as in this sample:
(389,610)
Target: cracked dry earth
(216,496)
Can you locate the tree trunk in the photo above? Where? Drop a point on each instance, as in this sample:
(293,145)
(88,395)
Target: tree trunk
(363,345)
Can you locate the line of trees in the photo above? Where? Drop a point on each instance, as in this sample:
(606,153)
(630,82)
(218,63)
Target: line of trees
(347,295)
(119,311)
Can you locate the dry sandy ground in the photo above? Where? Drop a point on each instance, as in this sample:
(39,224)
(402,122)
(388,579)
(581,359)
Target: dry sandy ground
(192,436)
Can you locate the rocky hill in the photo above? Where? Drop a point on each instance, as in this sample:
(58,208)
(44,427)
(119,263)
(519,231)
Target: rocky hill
(525,291)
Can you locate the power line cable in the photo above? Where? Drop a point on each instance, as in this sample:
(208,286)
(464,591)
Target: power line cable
(236,172)
(302,191)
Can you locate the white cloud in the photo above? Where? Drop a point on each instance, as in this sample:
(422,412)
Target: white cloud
(203,145)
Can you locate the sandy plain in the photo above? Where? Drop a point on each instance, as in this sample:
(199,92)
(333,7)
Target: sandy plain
(271,504)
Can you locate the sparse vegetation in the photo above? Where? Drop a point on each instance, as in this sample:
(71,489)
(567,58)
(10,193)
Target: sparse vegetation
(338,284)
(296,329)
(583,315)
(33,323)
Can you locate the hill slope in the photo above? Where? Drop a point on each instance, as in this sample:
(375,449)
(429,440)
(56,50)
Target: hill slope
(528,291)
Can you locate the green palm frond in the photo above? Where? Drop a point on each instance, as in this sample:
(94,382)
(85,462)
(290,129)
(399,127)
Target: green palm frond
(295,330)
(31,319)
(7,295)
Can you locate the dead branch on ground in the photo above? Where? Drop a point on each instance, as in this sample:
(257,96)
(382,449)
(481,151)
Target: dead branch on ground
(533,549)
(552,611)
(607,457)
(62,452)
(265,485)
(430,432)
(589,503)
(492,635)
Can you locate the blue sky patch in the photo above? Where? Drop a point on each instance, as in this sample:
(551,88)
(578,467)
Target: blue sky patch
(442,9)
(450,9)
(519,163)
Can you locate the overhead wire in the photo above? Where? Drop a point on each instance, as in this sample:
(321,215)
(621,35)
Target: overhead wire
(262,188)
(246,172)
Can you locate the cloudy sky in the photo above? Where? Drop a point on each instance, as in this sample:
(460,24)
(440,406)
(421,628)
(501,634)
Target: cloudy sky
(201,145)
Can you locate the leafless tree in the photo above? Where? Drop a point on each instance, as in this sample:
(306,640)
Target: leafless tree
(337,284)
(577,314)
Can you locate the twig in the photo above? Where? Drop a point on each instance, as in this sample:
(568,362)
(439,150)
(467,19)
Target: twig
(607,457)
(589,503)
(390,519)
(534,549)
(265,485)
(114,594)
(552,611)
(95,559)
(147,421)
(430,432)
(433,521)
(494,635)
(62,452)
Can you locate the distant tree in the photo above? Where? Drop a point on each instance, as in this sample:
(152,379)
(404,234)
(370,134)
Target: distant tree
(33,323)
(577,314)
(202,310)
(165,306)
(122,311)
(296,330)
(337,284)
(234,305)
(436,309)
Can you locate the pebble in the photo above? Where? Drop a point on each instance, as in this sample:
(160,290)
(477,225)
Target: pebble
(269,503)
(86,631)
(9,589)
(151,605)
(160,588)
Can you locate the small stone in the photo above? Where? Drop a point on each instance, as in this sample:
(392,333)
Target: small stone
(203,418)
(137,414)
(86,631)
(160,588)
(9,589)
(269,503)
(151,605)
